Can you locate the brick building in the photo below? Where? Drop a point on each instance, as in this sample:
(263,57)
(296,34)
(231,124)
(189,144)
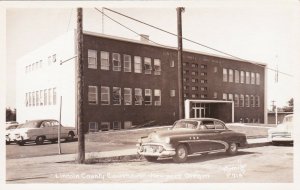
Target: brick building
(134,83)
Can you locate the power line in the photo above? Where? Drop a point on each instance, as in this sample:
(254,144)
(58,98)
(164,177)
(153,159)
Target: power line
(192,41)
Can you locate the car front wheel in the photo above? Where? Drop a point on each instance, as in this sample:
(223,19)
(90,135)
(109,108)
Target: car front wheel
(151,158)
(232,149)
(39,140)
(70,136)
(181,154)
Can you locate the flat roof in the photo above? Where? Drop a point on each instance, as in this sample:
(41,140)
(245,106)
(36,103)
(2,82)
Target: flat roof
(167,47)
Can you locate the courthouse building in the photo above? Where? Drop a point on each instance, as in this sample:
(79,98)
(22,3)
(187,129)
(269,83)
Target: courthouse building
(131,83)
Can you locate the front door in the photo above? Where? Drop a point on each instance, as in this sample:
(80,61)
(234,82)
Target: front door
(199,112)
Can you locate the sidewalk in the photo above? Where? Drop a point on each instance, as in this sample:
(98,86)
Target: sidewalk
(116,154)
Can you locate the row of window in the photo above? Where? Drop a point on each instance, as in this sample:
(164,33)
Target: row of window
(106,126)
(127,63)
(193,80)
(241,76)
(41,97)
(39,64)
(128,93)
(194,88)
(194,65)
(249,120)
(194,73)
(243,100)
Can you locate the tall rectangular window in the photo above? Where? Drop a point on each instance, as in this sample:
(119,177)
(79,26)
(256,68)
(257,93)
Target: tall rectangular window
(252,78)
(116,59)
(26,99)
(172,93)
(157,97)
(257,79)
(41,63)
(230,79)
(45,97)
(147,65)
(247,78)
(252,101)
(247,101)
(224,96)
(236,100)
(127,96)
(116,96)
(93,95)
(242,77)
(33,98)
(225,76)
(29,97)
(157,67)
(116,125)
(172,63)
(242,100)
(54,58)
(54,96)
(50,96)
(93,127)
(127,63)
(138,97)
(236,76)
(257,101)
(104,60)
(92,59)
(137,64)
(215,95)
(230,97)
(105,95)
(37,98)
(148,97)
(41,98)
(49,60)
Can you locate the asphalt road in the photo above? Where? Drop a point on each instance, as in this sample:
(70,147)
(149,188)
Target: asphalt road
(269,164)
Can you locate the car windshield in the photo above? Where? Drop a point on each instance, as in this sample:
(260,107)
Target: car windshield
(288,119)
(185,125)
(31,124)
(11,127)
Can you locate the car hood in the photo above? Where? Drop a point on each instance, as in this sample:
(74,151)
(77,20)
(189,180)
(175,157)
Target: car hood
(281,128)
(21,130)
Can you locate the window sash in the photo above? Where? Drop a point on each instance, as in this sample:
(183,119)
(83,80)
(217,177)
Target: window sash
(242,79)
(230,79)
(116,62)
(157,67)
(104,60)
(237,76)
(148,97)
(127,63)
(116,96)
(257,79)
(93,95)
(157,97)
(147,65)
(225,76)
(92,59)
(127,96)
(138,96)
(105,95)
(247,78)
(137,64)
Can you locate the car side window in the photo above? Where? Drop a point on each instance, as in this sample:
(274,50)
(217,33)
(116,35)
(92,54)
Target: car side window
(219,125)
(46,124)
(209,124)
(55,123)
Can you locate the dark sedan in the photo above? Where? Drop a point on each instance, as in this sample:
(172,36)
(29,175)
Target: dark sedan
(191,136)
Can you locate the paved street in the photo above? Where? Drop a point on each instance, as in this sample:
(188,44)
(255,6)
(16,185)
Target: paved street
(260,164)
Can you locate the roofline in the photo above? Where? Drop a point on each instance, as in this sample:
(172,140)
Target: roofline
(167,47)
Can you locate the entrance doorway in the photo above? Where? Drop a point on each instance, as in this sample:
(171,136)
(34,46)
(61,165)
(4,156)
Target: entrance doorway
(200,110)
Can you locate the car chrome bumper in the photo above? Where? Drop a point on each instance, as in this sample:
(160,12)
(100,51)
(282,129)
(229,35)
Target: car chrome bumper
(282,139)
(164,151)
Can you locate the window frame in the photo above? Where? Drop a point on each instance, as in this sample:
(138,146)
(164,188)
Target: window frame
(127,96)
(114,99)
(147,62)
(157,102)
(116,58)
(225,75)
(104,61)
(138,101)
(92,53)
(90,102)
(127,63)
(157,66)
(148,93)
(104,94)
(138,64)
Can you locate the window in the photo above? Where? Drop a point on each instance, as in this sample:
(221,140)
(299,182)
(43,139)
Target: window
(225,76)
(26,99)
(41,97)
(157,97)
(127,96)
(185,64)
(127,63)
(116,125)
(45,97)
(242,77)
(32,67)
(203,88)
(50,97)
(203,73)
(252,101)
(203,96)
(242,100)
(215,95)
(257,101)
(127,124)
(185,95)
(147,65)
(148,97)
(93,95)
(116,96)
(247,78)
(172,93)
(194,80)
(54,96)
(215,69)
(247,101)
(194,73)
(105,95)
(185,79)
(54,58)
(185,72)
(92,59)
(172,63)
(49,60)
(157,67)
(104,60)
(194,95)
(137,64)
(203,66)
(194,87)
(236,100)
(230,79)
(93,127)
(194,65)
(237,76)
(41,63)
(224,96)
(252,78)
(104,126)
(257,79)
(116,59)
(203,81)
(138,98)
(219,125)
(29,96)
(37,98)
(186,87)
(33,98)
(230,97)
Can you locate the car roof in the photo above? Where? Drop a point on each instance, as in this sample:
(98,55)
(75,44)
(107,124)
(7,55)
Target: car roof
(201,119)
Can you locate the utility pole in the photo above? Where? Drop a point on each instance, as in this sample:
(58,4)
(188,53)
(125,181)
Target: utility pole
(180,71)
(79,81)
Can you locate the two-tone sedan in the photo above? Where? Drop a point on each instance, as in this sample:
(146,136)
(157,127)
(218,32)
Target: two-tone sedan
(283,132)
(9,129)
(40,130)
(191,136)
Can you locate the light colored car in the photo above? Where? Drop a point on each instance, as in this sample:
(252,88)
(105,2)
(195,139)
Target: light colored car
(9,129)
(283,132)
(40,130)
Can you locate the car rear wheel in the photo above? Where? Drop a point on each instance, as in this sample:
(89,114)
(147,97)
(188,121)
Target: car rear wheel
(39,140)
(70,136)
(181,154)
(7,142)
(21,142)
(151,158)
(232,149)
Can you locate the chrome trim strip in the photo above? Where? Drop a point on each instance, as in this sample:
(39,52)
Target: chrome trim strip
(216,141)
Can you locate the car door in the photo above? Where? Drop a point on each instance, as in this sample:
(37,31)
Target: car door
(45,130)
(220,135)
(55,125)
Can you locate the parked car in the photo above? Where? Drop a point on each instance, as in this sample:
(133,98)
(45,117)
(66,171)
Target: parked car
(9,129)
(188,137)
(283,132)
(40,130)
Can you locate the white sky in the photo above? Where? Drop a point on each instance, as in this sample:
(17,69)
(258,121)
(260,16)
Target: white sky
(258,31)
